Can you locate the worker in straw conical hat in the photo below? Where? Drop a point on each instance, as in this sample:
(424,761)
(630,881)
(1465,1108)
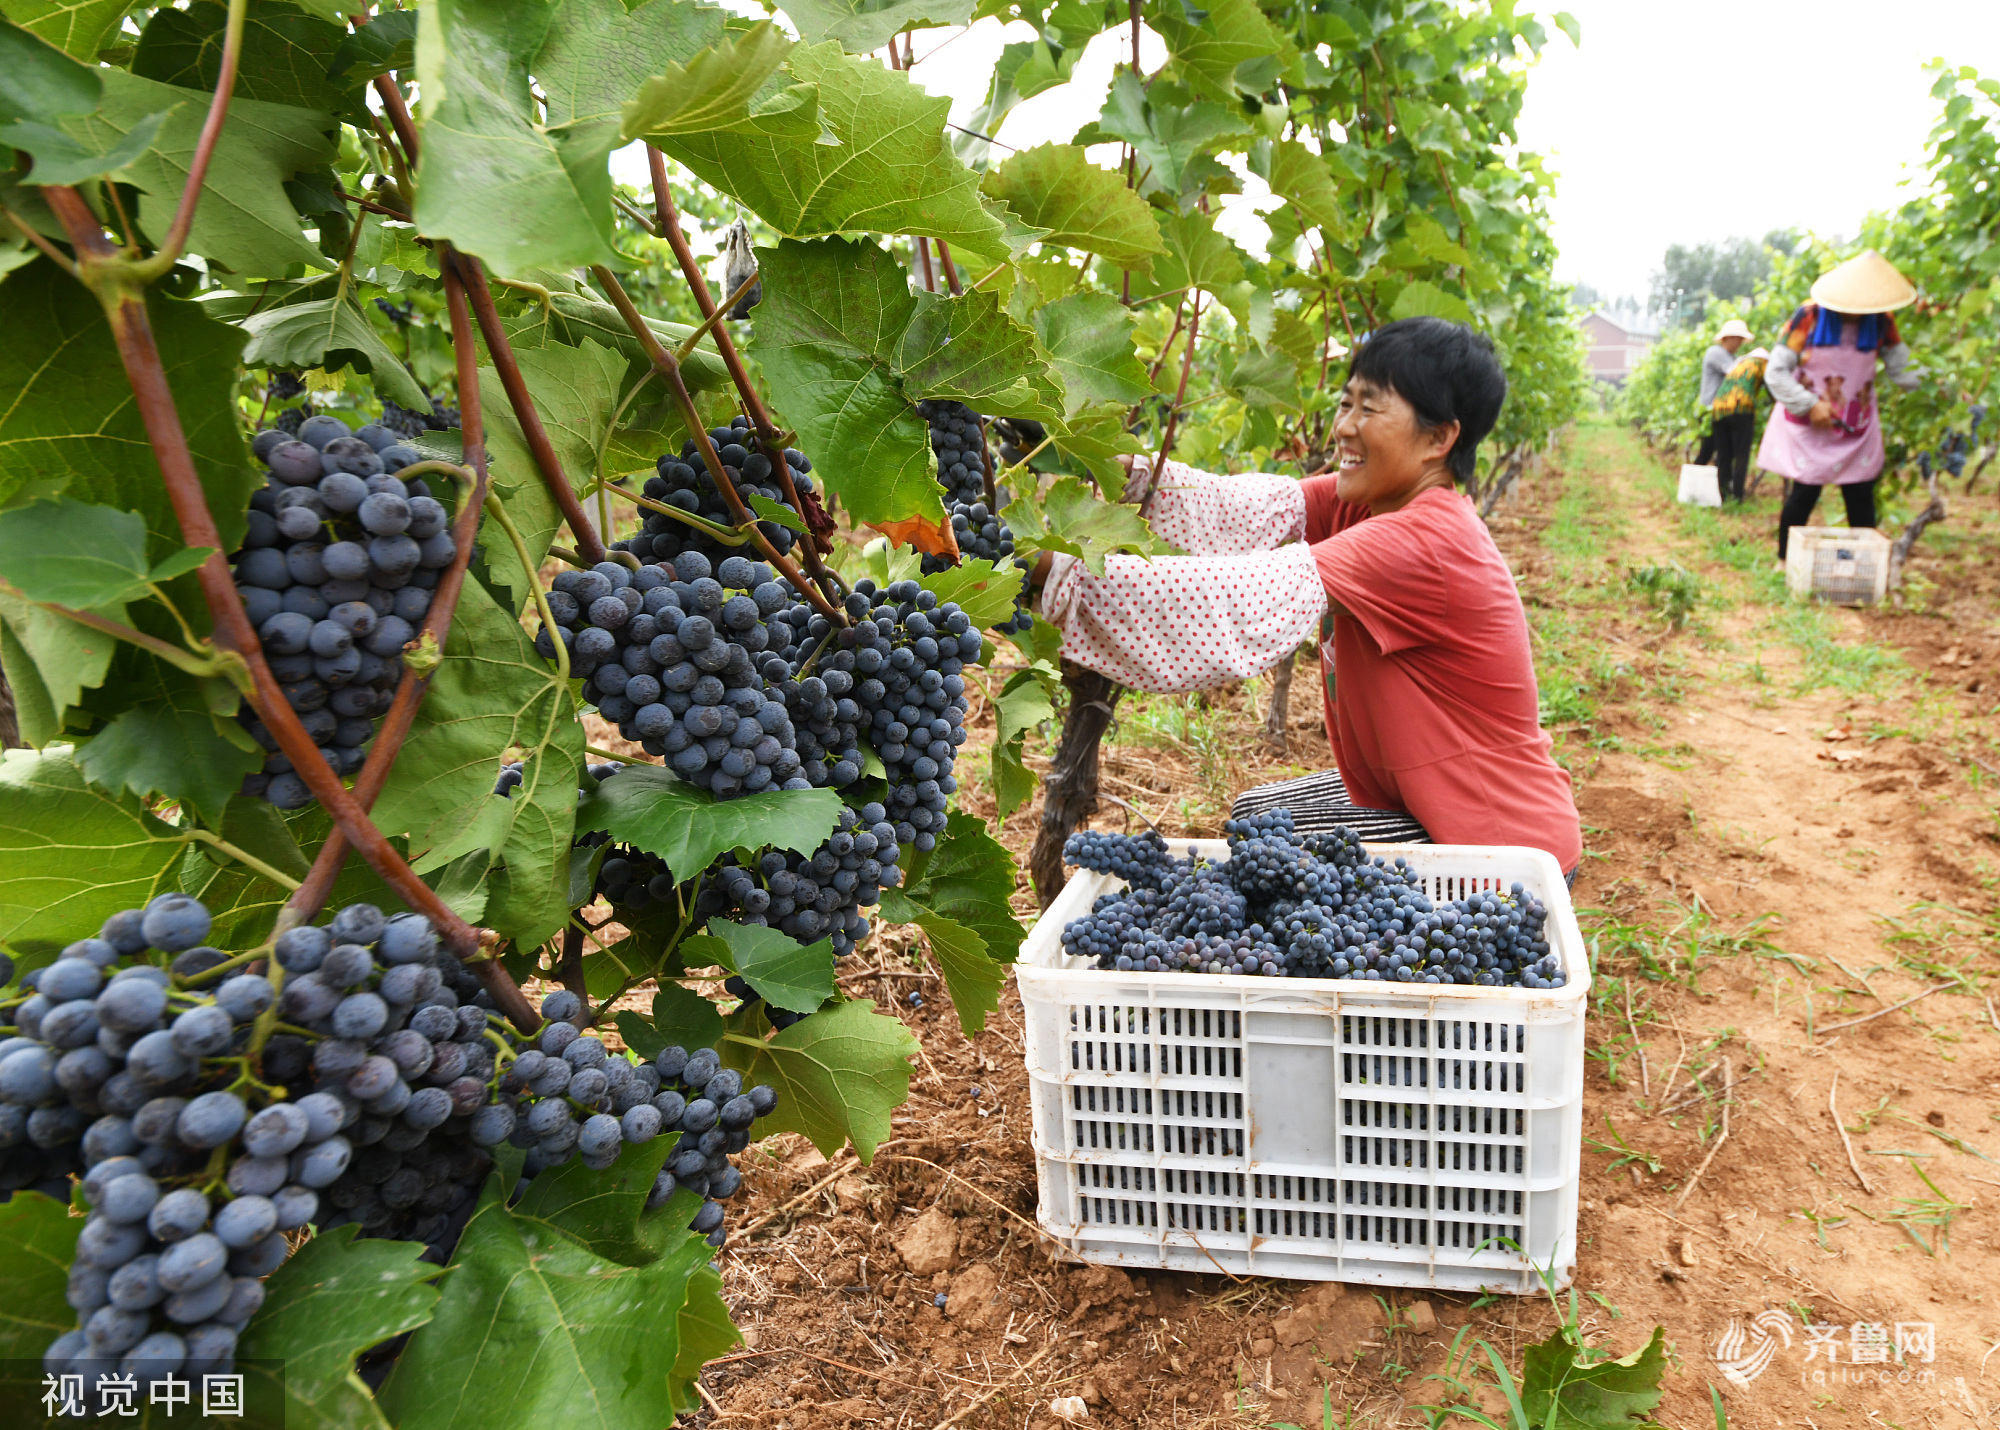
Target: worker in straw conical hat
(1822,374)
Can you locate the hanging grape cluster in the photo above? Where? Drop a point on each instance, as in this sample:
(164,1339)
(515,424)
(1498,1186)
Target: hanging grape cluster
(963,464)
(145,1061)
(336,573)
(1300,906)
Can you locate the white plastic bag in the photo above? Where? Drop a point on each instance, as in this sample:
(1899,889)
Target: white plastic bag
(1699,486)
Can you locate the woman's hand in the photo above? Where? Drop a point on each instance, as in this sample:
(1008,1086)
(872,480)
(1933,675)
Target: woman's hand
(1140,479)
(1822,414)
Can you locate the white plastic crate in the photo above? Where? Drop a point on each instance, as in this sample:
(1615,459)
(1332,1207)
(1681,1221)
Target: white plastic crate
(1844,565)
(1319,1129)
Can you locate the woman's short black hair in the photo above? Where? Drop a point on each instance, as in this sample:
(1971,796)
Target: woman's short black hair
(1444,370)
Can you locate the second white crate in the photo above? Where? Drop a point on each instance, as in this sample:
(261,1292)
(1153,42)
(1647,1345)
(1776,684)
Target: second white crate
(1398,1134)
(1842,565)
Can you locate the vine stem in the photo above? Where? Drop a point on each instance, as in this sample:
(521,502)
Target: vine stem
(169,251)
(518,397)
(499,514)
(125,310)
(255,865)
(768,435)
(224,663)
(1180,393)
(663,362)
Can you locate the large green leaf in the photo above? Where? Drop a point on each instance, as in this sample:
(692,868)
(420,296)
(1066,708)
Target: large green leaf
(285,58)
(40,1237)
(1023,704)
(1422,299)
(1088,337)
(606,1210)
(1562,1389)
(245,221)
(788,974)
(535,1327)
(1072,520)
(39,82)
(984,591)
(49,662)
(72,856)
(1197,256)
(958,895)
(1025,69)
(1167,138)
(839,1074)
(77,27)
(1056,187)
(495,179)
(653,809)
(492,694)
(1095,437)
(62,159)
(171,742)
(707,1333)
(70,425)
(75,554)
(387,42)
(887,168)
(335,1297)
(1231,47)
(1301,178)
(850,350)
(678,1016)
(864,25)
(330,332)
(718,89)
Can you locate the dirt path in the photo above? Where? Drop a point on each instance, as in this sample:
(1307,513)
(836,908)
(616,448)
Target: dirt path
(1750,885)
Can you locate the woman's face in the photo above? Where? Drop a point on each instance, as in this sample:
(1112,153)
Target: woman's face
(1386,457)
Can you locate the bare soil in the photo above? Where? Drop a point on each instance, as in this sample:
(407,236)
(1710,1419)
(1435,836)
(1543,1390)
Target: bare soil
(1786,833)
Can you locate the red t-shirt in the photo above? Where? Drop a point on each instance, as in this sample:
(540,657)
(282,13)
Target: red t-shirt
(1431,703)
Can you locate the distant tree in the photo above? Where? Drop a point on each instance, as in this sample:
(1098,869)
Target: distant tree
(1692,277)
(1586,297)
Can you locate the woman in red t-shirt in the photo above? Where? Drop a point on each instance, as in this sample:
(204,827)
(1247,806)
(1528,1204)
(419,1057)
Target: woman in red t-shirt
(1431,703)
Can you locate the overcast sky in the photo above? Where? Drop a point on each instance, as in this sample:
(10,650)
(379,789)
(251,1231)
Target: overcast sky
(1660,127)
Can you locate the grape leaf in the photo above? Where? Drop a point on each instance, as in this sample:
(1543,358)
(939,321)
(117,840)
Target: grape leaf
(888,168)
(717,88)
(653,809)
(337,1295)
(1197,256)
(72,856)
(1023,71)
(864,25)
(849,350)
(1560,1390)
(39,82)
(40,1237)
(490,694)
(789,975)
(1264,377)
(1219,46)
(330,333)
(1095,436)
(974,978)
(984,591)
(679,1016)
(285,58)
(245,221)
(1071,520)
(495,179)
(1088,337)
(1421,299)
(77,27)
(1167,138)
(839,1074)
(171,742)
(605,1210)
(76,554)
(1084,206)
(775,511)
(70,425)
(60,159)
(707,1332)
(535,1327)
(1301,178)
(49,662)
(387,42)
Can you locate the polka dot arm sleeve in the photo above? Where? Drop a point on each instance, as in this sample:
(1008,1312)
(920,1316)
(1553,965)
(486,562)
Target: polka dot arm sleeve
(1210,514)
(1185,622)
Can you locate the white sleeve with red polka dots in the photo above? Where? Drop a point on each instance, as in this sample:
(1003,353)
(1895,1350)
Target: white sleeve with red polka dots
(1211,514)
(1179,623)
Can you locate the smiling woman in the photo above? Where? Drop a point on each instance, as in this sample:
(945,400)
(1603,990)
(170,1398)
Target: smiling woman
(1431,704)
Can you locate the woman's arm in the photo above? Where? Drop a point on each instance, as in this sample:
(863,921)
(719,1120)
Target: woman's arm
(1185,622)
(1895,367)
(1212,514)
(1781,377)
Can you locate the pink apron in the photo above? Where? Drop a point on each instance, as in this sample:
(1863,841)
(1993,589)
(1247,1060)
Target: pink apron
(1835,456)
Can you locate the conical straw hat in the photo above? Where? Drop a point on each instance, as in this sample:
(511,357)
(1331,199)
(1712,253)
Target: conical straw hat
(1866,283)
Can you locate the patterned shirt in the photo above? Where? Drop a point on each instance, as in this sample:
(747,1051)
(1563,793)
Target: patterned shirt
(1739,389)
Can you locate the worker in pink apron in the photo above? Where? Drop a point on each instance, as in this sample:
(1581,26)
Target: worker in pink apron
(1827,430)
